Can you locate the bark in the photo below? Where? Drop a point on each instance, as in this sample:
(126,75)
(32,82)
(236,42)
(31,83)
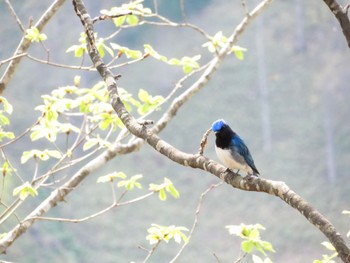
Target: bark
(341,14)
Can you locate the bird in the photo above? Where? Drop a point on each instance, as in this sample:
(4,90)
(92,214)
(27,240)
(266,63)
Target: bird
(231,149)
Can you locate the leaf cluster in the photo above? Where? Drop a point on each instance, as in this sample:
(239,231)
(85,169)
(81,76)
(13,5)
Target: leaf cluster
(250,234)
(157,233)
(6,109)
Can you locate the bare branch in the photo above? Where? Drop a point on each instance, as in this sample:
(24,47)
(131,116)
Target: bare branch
(25,43)
(151,251)
(13,13)
(11,58)
(101,212)
(106,17)
(195,222)
(341,14)
(279,189)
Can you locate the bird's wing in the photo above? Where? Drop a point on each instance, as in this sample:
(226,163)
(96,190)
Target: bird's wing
(243,150)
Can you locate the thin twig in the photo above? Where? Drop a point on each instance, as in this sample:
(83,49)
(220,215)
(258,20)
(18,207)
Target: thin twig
(216,257)
(101,212)
(106,17)
(12,58)
(241,257)
(25,44)
(13,13)
(195,221)
(204,141)
(150,252)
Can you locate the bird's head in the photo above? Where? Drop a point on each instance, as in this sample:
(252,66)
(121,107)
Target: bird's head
(218,125)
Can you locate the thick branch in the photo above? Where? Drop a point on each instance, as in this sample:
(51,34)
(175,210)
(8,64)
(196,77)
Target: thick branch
(60,193)
(25,44)
(279,189)
(341,14)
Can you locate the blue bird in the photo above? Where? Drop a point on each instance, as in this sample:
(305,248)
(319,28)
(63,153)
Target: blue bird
(231,149)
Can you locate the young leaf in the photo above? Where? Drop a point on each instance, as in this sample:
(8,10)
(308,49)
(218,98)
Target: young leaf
(158,233)
(239,51)
(42,155)
(131,183)
(24,190)
(149,50)
(167,186)
(162,195)
(247,246)
(7,106)
(6,169)
(9,135)
(33,34)
(110,177)
(328,245)
(119,20)
(90,143)
(143,95)
(132,20)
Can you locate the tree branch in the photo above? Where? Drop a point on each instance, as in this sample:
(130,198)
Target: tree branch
(279,189)
(341,14)
(25,44)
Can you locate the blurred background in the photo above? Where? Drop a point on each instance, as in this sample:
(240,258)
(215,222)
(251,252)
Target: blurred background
(289,100)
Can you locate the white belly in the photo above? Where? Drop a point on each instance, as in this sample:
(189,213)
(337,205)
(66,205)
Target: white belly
(226,158)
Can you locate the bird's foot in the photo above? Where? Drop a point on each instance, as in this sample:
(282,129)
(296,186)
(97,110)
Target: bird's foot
(229,170)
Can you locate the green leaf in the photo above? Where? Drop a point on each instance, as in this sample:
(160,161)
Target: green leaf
(254,234)
(162,195)
(239,55)
(267,246)
(149,50)
(187,69)
(174,61)
(119,20)
(33,34)
(259,247)
(6,169)
(172,190)
(7,106)
(24,190)
(90,143)
(77,79)
(42,155)
(79,51)
(239,51)
(4,120)
(143,95)
(109,50)
(217,42)
(247,246)
(101,50)
(328,245)
(167,186)
(187,63)
(131,183)
(132,20)
(111,177)
(158,233)
(9,135)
